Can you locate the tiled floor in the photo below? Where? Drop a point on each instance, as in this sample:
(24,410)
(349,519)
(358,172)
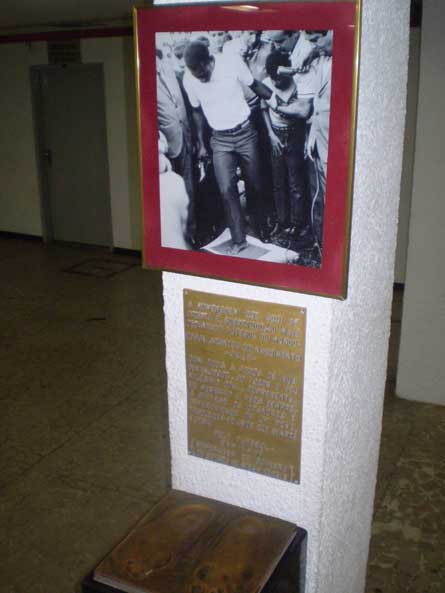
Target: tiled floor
(84,440)
(407,552)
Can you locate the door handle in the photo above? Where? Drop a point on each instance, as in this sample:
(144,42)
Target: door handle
(48,155)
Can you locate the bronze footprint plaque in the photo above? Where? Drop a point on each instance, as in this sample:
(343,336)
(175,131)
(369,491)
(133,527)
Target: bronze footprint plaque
(245,367)
(191,544)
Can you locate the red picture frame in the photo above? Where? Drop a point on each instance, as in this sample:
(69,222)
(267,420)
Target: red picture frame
(341,18)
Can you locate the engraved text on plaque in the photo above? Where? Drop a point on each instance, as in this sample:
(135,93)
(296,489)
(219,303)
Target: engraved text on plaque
(245,364)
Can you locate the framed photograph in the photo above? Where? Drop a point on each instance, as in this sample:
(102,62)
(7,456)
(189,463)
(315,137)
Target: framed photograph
(247,126)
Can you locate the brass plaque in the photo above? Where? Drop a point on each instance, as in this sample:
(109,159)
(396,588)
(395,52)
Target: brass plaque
(245,365)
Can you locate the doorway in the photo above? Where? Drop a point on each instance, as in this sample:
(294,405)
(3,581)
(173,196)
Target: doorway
(69,108)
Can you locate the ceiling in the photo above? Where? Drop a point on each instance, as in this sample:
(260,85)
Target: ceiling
(42,15)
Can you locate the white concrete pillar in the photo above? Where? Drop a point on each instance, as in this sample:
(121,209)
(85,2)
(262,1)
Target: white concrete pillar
(346,343)
(421,369)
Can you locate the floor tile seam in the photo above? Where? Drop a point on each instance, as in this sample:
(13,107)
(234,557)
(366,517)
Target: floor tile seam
(117,425)
(90,487)
(78,432)
(62,480)
(26,471)
(20,467)
(28,466)
(19,500)
(74,435)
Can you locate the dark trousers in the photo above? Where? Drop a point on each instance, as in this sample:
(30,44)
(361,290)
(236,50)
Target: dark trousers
(317,177)
(232,150)
(183,166)
(288,176)
(259,124)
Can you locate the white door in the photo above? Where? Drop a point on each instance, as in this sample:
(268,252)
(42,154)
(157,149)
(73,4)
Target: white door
(70,118)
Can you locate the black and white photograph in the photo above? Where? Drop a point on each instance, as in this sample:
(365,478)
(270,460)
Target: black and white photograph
(243,131)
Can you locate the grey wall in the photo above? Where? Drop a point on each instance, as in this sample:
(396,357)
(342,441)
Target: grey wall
(421,371)
(19,187)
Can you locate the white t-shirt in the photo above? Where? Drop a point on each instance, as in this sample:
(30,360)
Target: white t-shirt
(222,98)
(278,98)
(305,82)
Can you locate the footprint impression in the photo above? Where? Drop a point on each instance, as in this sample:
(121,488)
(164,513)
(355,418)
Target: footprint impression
(230,566)
(162,541)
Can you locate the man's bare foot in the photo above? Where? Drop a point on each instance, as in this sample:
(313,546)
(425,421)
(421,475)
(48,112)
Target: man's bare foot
(236,248)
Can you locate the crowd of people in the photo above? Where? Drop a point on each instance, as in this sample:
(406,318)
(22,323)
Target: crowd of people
(243,120)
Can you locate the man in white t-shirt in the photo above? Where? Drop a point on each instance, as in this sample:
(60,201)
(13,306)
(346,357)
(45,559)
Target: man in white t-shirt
(215,91)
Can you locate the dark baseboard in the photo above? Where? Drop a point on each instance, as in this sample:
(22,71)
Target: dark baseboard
(130,252)
(117,250)
(23,236)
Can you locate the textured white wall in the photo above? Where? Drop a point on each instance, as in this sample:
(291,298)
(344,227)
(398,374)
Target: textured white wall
(360,325)
(300,504)
(421,369)
(346,343)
